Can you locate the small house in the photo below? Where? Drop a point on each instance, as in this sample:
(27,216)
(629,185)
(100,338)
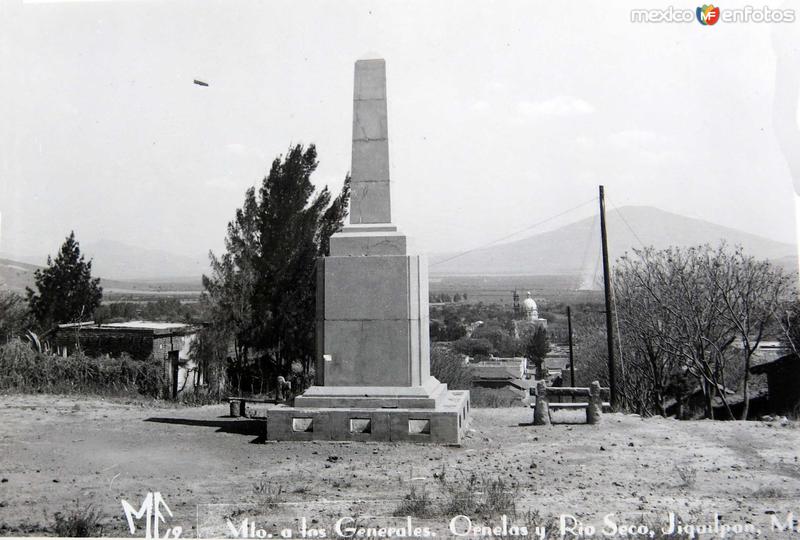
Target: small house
(783,383)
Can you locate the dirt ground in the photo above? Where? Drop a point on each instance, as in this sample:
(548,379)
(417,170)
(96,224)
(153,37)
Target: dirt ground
(61,453)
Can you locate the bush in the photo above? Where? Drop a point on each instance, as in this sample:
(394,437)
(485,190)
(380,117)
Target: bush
(449,368)
(474,347)
(78,523)
(490,398)
(416,504)
(24,370)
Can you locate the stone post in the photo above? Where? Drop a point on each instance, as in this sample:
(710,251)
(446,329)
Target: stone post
(595,408)
(541,413)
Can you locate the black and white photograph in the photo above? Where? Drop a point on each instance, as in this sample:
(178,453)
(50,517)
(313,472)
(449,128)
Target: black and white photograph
(399,269)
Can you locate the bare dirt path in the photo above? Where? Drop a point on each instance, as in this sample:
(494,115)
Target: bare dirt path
(59,452)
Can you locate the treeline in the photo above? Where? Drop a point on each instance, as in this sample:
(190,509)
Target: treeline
(164,310)
(690,322)
(445,298)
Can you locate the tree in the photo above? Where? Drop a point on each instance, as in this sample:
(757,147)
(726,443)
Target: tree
(66,290)
(502,341)
(536,347)
(14,315)
(681,310)
(752,291)
(262,289)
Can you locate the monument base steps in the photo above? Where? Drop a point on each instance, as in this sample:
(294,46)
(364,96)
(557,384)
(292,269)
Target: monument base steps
(444,424)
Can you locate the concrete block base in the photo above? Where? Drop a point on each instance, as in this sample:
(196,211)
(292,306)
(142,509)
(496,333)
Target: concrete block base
(429,395)
(445,424)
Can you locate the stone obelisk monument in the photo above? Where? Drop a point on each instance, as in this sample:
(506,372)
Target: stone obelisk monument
(373,360)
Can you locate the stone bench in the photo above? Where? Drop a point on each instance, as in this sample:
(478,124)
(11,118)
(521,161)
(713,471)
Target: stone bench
(576,405)
(237,405)
(593,406)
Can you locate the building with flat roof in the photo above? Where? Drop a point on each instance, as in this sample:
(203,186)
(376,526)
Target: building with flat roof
(169,343)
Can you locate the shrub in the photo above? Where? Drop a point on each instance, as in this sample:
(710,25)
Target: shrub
(269,494)
(490,398)
(416,504)
(449,368)
(474,347)
(23,369)
(78,523)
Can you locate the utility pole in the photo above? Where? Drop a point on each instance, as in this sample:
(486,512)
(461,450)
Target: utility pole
(612,375)
(571,358)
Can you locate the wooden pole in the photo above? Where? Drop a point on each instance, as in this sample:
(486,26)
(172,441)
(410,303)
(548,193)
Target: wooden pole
(571,358)
(612,375)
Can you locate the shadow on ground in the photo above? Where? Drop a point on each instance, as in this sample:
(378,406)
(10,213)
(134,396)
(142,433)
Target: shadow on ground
(236,427)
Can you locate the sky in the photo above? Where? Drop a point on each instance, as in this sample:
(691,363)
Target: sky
(501,115)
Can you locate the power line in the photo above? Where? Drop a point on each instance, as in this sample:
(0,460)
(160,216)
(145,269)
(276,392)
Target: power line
(625,221)
(542,222)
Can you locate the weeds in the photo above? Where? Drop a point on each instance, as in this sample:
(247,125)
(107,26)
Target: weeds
(767,492)
(460,497)
(688,475)
(270,495)
(80,522)
(24,370)
(498,499)
(417,504)
(472,496)
(533,521)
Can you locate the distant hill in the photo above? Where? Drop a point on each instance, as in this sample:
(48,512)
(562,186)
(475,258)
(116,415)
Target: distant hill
(575,248)
(115,260)
(15,276)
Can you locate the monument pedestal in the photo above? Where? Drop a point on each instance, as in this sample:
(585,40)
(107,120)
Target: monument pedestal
(444,424)
(372,343)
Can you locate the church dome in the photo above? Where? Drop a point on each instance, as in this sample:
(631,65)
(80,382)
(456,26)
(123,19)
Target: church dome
(530,308)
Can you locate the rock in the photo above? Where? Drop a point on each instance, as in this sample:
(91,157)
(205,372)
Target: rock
(630,444)
(767,418)
(4,480)
(602,448)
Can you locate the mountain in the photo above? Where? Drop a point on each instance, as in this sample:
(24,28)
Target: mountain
(575,248)
(16,276)
(117,261)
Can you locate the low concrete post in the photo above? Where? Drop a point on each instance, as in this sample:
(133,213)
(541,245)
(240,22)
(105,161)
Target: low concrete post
(595,408)
(541,413)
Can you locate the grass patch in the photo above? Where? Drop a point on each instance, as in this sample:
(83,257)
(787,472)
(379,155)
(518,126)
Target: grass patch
(80,522)
(472,496)
(269,494)
(498,498)
(768,492)
(687,475)
(416,503)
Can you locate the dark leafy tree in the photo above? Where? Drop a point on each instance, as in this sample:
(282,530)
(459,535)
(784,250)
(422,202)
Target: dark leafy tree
(536,346)
(66,290)
(262,289)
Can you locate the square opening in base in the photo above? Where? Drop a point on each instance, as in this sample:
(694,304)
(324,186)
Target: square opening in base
(360,425)
(303,424)
(419,426)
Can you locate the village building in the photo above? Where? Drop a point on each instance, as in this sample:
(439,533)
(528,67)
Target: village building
(507,377)
(783,384)
(169,343)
